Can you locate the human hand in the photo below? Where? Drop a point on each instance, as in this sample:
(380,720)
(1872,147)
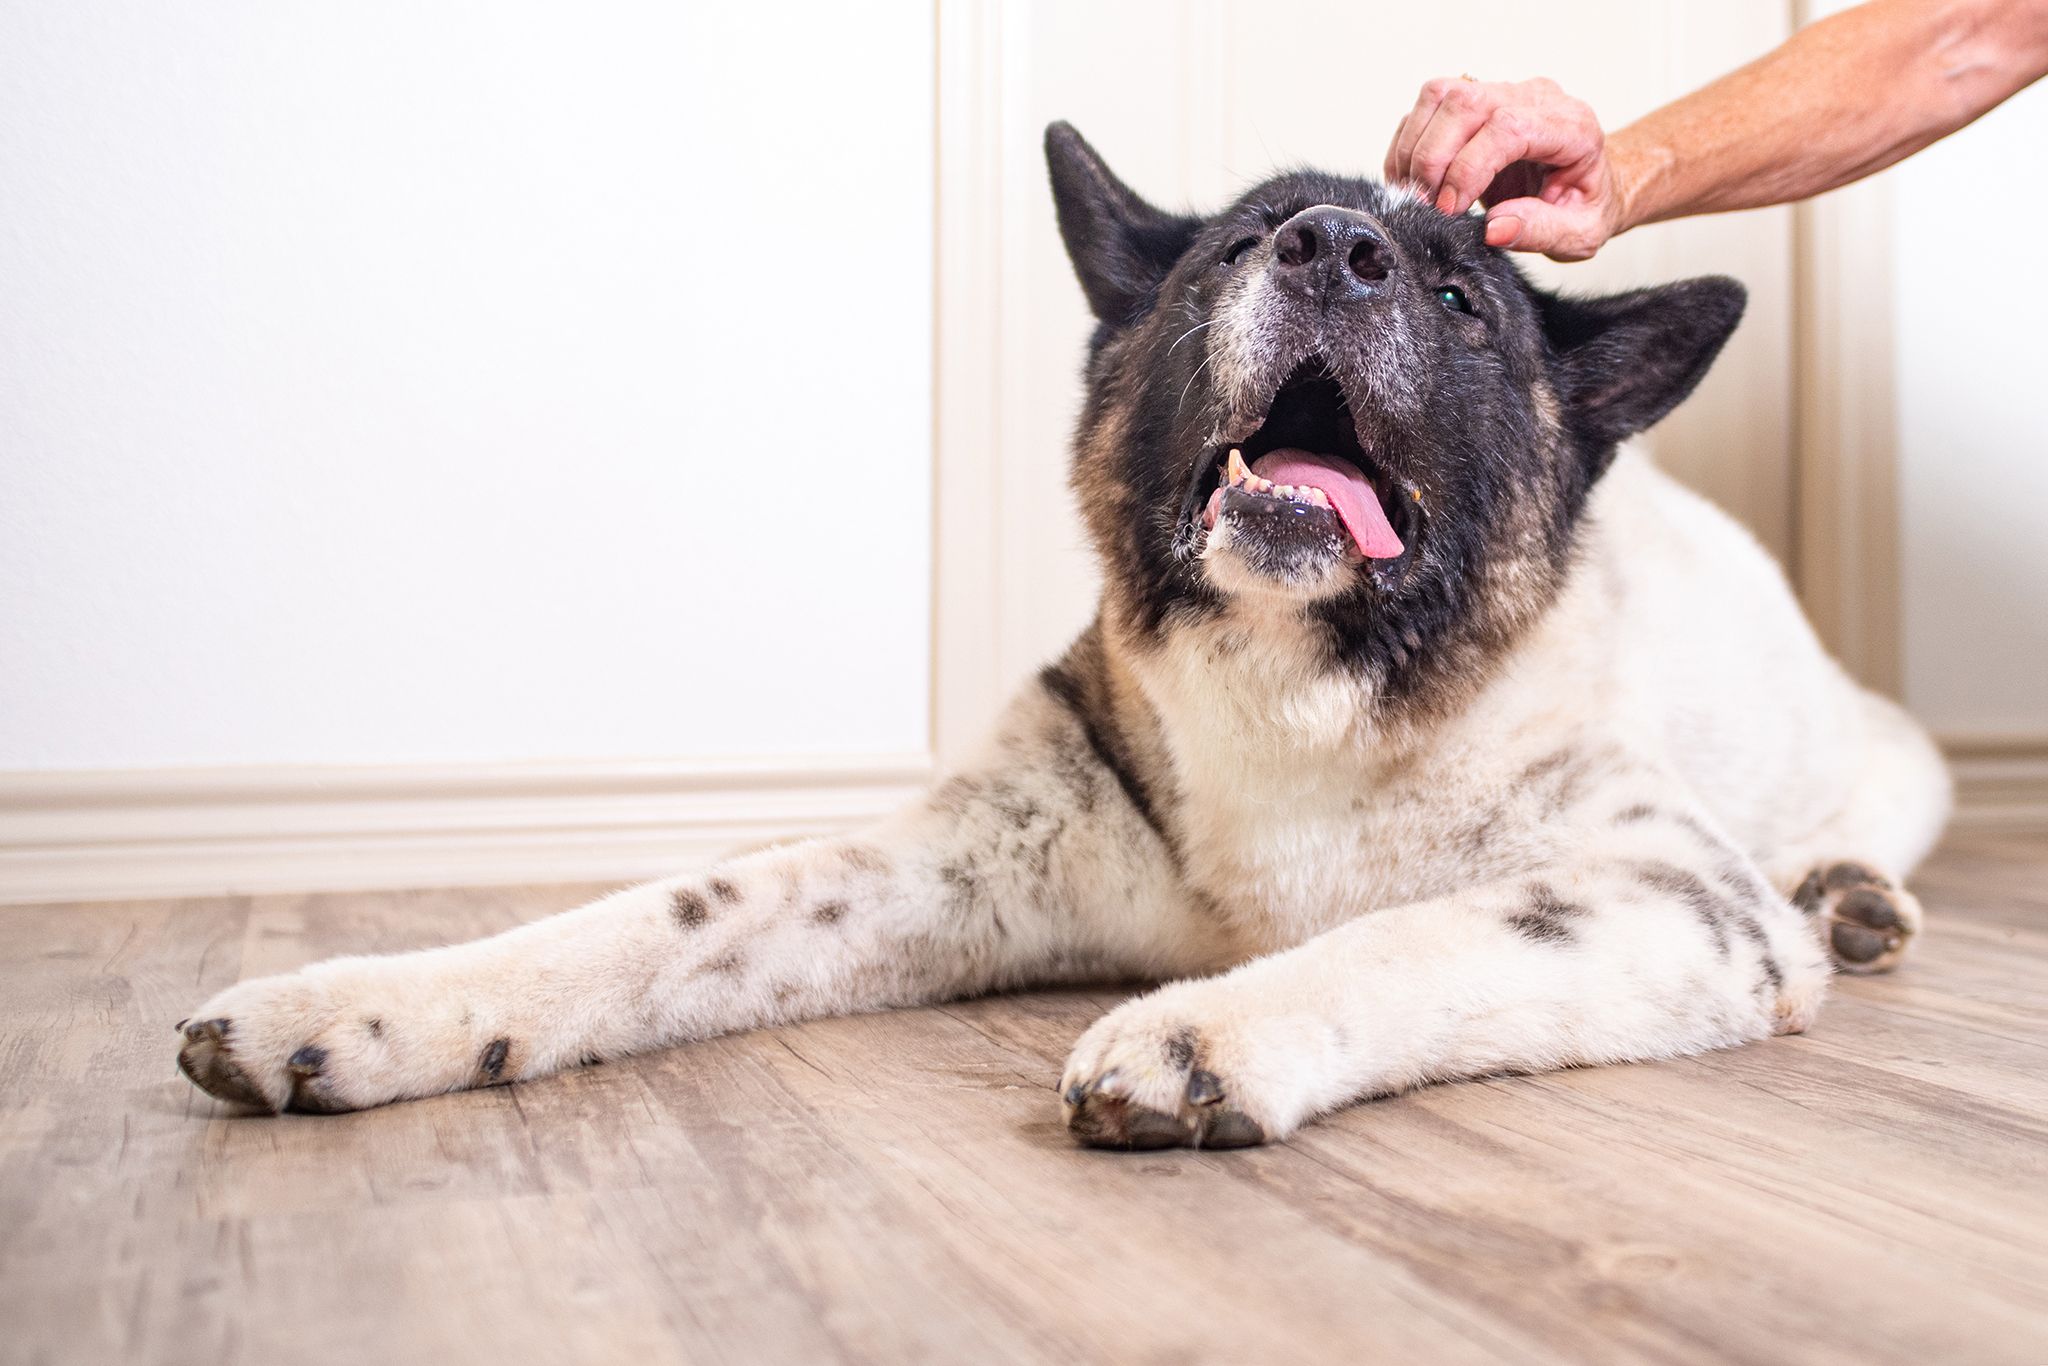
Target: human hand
(1532,154)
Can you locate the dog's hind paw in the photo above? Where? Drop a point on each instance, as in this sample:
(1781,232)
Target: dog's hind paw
(1866,920)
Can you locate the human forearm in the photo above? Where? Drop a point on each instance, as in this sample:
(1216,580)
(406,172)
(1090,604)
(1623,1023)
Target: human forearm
(1805,118)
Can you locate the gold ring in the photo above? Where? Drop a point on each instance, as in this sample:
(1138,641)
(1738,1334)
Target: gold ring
(1468,76)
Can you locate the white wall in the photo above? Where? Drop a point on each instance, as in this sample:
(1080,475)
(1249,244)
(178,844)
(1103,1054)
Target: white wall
(367,374)
(1971,375)
(386,382)
(461,384)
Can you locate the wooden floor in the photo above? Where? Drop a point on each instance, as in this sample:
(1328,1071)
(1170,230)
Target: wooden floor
(897,1188)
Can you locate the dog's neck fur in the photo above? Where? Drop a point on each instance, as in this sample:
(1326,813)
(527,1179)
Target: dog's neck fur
(1281,676)
(1278,755)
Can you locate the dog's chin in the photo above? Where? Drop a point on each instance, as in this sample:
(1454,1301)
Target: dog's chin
(1260,548)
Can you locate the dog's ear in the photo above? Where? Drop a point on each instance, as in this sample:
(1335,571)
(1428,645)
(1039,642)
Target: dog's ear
(1121,246)
(1624,361)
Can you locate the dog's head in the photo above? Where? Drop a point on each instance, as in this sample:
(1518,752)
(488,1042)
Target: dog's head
(1332,400)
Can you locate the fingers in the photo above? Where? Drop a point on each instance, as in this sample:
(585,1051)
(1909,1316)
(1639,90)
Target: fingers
(1463,134)
(1570,231)
(1465,140)
(1510,135)
(1402,149)
(1458,116)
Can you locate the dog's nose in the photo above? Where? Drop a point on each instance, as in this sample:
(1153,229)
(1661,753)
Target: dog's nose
(1328,253)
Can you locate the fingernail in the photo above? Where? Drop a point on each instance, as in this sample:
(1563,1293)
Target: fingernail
(1446,200)
(1502,231)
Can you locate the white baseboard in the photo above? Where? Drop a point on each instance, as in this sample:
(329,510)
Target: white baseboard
(2001,782)
(104,835)
(79,836)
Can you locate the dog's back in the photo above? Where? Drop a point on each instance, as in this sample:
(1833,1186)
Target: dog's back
(1718,670)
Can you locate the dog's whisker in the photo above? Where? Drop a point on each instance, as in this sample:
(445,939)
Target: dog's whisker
(1189,333)
(1190,384)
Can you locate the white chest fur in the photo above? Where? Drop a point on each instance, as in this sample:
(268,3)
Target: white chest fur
(1674,642)
(1282,780)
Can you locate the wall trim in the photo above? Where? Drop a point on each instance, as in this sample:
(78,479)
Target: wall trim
(1846,540)
(967,429)
(2001,781)
(117,834)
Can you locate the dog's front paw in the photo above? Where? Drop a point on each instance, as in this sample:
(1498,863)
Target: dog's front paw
(339,1036)
(258,1044)
(1188,1066)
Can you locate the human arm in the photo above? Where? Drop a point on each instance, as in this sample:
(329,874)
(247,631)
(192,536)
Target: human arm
(1845,97)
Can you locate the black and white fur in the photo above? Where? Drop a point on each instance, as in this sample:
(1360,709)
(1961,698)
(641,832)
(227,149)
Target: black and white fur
(1570,781)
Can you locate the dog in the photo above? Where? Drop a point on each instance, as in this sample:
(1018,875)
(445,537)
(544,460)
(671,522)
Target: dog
(1424,732)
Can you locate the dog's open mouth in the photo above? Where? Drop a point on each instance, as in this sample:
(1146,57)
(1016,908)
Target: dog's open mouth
(1304,464)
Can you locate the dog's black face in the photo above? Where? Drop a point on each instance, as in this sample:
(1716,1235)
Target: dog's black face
(1331,398)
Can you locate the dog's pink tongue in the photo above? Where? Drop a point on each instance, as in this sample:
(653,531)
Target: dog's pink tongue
(1350,492)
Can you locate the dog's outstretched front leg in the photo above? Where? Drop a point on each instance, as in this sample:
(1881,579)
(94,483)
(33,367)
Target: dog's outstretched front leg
(1034,865)
(1666,941)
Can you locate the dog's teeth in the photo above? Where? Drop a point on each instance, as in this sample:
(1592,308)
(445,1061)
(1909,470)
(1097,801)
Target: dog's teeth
(1236,471)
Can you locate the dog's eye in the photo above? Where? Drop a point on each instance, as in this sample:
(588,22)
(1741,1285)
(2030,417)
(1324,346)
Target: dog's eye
(1239,248)
(1453,298)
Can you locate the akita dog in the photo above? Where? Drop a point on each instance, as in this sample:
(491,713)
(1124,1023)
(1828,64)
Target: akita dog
(1422,734)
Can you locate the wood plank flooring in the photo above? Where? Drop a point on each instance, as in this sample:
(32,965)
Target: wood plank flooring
(897,1188)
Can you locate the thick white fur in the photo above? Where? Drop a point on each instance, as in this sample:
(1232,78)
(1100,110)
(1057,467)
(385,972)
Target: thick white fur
(1676,652)
(1671,718)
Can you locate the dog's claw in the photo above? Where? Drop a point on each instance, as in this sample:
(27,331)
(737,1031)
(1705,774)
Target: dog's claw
(1100,1118)
(1147,1129)
(207,1062)
(1232,1129)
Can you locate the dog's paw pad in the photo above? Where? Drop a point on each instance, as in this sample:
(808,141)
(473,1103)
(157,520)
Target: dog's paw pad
(1102,1113)
(1867,920)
